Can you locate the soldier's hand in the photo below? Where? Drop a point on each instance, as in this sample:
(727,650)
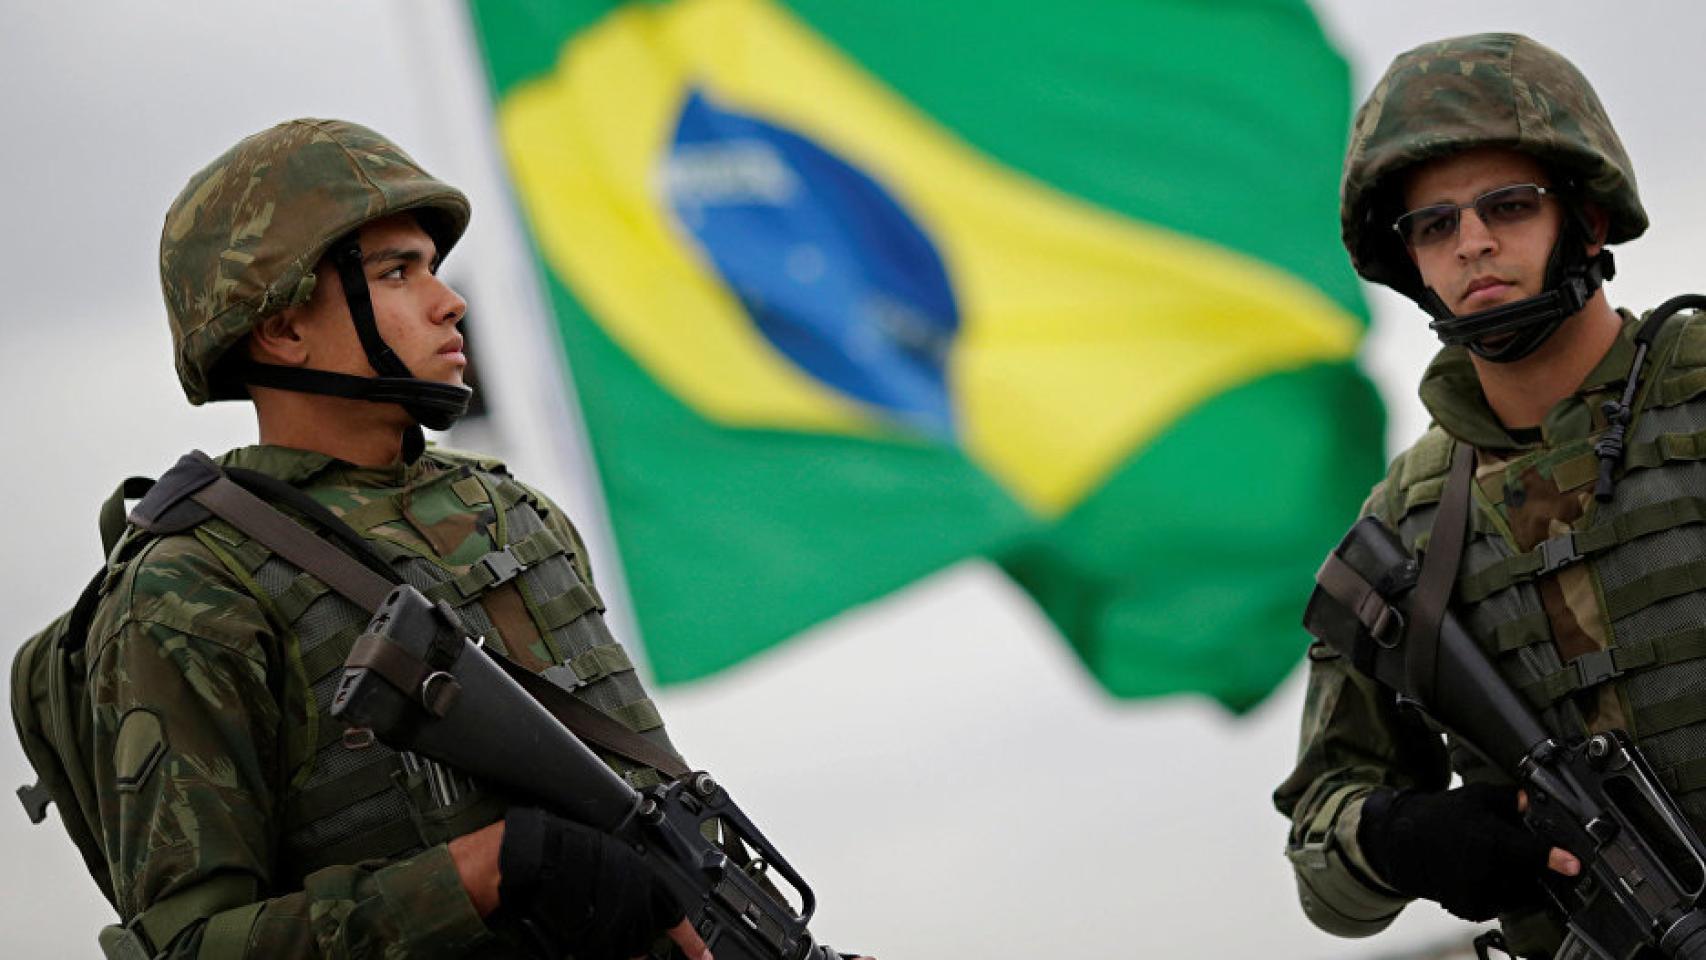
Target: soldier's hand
(579,891)
(1558,860)
(1466,849)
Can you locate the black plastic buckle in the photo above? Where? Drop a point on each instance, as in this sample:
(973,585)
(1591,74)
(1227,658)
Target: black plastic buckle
(503,565)
(1594,668)
(35,798)
(1558,552)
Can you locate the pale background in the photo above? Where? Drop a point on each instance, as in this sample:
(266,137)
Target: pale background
(986,801)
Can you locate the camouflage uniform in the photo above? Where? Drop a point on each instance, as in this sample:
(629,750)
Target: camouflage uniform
(204,720)
(223,787)
(1590,610)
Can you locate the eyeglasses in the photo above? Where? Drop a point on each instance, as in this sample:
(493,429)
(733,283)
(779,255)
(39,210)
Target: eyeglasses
(1503,207)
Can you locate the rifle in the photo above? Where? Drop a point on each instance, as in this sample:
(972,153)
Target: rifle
(1643,865)
(420,684)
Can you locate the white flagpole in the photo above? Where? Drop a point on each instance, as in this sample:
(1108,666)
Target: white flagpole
(536,424)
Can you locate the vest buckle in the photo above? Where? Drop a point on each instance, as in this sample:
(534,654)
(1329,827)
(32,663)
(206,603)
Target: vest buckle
(1595,667)
(564,675)
(1558,552)
(502,565)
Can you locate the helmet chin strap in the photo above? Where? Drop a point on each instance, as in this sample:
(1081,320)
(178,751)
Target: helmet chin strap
(432,404)
(1571,279)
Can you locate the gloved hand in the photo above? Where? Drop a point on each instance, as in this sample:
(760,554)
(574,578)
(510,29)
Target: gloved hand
(1466,848)
(579,891)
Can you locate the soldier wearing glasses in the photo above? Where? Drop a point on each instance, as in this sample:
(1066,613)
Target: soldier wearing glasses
(1484,181)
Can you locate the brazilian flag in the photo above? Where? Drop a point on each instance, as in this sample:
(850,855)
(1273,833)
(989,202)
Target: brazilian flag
(853,291)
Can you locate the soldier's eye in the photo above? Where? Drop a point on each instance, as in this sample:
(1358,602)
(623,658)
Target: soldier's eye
(1429,225)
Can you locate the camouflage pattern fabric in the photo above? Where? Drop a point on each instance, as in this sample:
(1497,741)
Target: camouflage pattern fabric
(1528,490)
(197,720)
(1486,90)
(243,237)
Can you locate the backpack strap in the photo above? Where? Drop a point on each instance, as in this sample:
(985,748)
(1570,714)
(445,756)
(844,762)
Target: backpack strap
(112,510)
(196,488)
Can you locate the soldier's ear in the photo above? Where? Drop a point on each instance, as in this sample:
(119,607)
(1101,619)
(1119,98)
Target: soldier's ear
(279,340)
(1599,224)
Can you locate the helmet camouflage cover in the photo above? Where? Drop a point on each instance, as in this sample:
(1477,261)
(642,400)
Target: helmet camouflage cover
(1486,90)
(242,239)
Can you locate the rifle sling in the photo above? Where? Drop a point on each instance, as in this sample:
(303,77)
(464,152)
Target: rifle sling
(1438,575)
(368,589)
(590,724)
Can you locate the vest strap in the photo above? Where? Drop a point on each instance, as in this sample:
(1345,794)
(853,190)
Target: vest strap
(1665,447)
(1571,547)
(1525,631)
(170,916)
(639,716)
(1669,715)
(294,542)
(400,835)
(1596,667)
(357,786)
(295,600)
(568,606)
(600,662)
(1684,777)
(1655,586)
(329,655)
(227,932)
(497,568)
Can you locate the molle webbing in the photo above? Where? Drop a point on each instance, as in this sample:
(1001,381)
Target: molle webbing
(499,567)
(356,800)
(1565,549)
(1665,448)
(1595,668)
(1656,586)
(1665,716)
(1684,777)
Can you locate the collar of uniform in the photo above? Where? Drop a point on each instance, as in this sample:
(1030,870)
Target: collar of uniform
(297,467)
(1452,394)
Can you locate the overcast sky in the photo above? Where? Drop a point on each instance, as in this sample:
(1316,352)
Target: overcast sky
(987,799)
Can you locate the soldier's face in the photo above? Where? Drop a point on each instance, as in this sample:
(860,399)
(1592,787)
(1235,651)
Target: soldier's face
(1483,265)
(416,312)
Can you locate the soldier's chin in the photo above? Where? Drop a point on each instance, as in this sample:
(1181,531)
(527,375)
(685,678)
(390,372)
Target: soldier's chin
(1495,342)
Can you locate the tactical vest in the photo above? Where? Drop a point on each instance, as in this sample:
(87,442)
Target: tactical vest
(1645,555)
(351,798)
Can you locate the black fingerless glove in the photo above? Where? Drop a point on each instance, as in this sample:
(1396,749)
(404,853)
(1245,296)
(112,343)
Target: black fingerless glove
(576,890)
(1466,848)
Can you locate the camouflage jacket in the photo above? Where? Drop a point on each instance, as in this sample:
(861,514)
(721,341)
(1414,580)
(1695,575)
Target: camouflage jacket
(1615,607)
(197,727)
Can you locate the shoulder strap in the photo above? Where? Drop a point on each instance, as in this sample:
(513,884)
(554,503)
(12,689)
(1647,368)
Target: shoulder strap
(1439,573)
(112,510)
(197,478)
(590,724)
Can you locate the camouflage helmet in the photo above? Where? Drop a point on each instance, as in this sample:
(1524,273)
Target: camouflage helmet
(242,239)
(1486,90)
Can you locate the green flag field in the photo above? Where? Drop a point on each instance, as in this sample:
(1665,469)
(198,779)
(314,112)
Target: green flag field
(853,292)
